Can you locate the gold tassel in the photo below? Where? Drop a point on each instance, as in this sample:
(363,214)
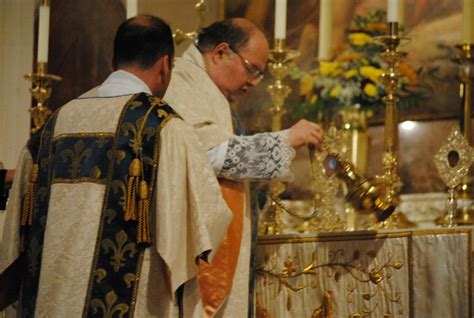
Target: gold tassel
(30,195)
(134,172)
(143,231)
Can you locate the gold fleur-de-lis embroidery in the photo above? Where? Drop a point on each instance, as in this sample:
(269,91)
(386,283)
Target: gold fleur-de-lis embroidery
(135,130)
(135,104)
(129,278)
(76,157)
(110,215)
(117,186)
(99,274)
(95,172)
(117,155)
(119,249)
(161,113)
(110,308)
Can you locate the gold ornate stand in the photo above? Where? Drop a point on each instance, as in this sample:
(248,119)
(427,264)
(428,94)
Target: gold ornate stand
(391,179)
(41,91)
(453,161)
(464,58)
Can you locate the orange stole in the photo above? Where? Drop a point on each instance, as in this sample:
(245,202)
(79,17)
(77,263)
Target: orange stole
(215,279)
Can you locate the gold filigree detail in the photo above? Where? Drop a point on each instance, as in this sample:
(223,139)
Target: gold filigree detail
(454,158)
(76,156)
(100,274)
(109,308)
(326,310)
(129,278)
(119,249)
(378,276)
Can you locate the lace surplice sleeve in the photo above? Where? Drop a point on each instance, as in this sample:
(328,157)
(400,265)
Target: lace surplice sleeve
(260,156)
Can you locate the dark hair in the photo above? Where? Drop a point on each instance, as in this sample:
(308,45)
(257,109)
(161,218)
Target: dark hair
(222,31)
(141,41)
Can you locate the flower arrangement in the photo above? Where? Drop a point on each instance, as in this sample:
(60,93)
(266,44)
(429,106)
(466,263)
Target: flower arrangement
(353,77)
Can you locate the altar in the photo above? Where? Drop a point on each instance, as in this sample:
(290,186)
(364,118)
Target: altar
(401,273)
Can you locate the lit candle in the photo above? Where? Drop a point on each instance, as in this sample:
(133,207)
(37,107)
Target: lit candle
(392,10)
(325,30)
(132,8)
(43,34)
(468,21)
(280,19)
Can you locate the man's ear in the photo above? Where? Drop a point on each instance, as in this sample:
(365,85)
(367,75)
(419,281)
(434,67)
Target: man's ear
(163,65)
(219,50)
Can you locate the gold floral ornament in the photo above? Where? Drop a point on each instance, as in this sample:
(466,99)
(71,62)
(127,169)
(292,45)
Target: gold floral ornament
(354,76)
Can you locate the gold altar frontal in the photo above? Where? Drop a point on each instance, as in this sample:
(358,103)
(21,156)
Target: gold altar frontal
(422,273)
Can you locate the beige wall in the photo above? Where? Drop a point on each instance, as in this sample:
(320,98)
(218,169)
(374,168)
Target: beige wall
(16,54)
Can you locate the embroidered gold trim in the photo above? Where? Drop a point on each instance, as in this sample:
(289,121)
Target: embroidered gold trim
(83,135)
(80,180)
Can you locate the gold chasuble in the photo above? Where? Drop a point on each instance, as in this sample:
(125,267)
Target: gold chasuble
(224,283)
(124,204)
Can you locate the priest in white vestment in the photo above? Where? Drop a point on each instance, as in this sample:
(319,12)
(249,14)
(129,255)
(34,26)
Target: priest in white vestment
(188,218)
(227,61)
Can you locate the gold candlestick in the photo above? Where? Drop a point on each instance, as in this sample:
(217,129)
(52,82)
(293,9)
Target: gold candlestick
(464,58)
(278,65)
(41,91)
(392,56)
(180,35)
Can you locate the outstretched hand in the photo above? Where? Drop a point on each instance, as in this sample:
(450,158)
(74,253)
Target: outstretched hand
(305,133)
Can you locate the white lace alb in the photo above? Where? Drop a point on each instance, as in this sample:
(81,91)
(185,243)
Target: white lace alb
(260,156)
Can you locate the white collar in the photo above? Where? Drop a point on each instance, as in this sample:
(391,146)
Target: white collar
(122,83)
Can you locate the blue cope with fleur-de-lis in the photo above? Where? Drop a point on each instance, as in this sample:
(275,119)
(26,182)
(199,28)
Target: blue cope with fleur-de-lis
(105,159)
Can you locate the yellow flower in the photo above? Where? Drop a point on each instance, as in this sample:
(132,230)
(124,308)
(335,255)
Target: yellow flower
(335,91)
(306,85)
(370,89)
(314,99)
(371,73)
(330,68)
(350,73)
(360,39)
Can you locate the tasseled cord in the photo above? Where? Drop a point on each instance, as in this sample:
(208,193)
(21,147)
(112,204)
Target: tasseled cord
(30,195)
(138,189)
(134,172)
(29,203)
(143,232)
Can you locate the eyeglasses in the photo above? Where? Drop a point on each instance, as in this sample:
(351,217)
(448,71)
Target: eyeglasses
(253,71)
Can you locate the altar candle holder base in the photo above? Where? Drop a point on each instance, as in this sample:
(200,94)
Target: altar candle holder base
(40,91)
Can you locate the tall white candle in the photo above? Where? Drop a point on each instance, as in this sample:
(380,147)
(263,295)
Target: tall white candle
(325,30)
(392,10)
(280,19)
(43,34)
(401,12)
(132,8)
(468,21)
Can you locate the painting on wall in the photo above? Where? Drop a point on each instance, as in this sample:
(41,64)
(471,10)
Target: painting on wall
(433,26)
